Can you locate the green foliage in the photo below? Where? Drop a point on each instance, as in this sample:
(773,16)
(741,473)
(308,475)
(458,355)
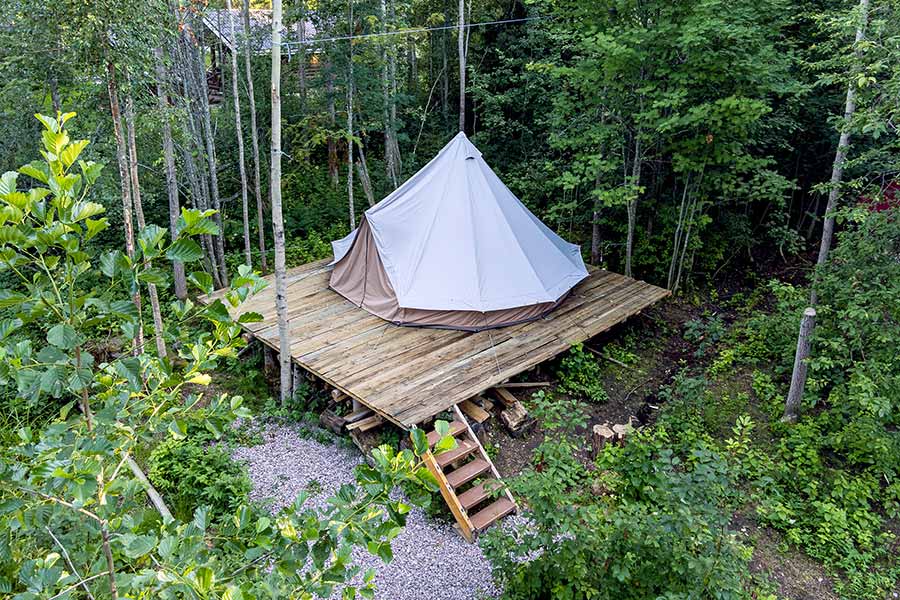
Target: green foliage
(704,333)
(191,475)
(580,375)
(65,485)
(655,517)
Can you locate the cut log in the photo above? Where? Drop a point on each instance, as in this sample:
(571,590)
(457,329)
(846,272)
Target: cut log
(366,424)
(516,419)
(331,421)
(602,435)
(505,397)
(474,412)
(358,415)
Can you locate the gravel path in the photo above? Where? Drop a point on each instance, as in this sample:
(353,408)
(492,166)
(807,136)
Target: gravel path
(431,560)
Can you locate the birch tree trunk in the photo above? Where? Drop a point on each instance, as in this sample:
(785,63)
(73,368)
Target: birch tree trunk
(194,161)
(301,59)
(389,159)
(798,377)
(837,168)
(392,63)
(350,206)
(461,47)
(333,170)
(445,80)
(595,225)
(245,207)
(139,213)
(122,161)
(284,346)
(171,176)
(363,169)
(213,172)
(633,202)
(254,139)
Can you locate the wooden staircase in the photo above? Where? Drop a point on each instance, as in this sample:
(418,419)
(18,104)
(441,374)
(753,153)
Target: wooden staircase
(467,478)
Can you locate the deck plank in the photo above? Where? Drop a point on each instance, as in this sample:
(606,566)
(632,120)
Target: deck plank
(410,374)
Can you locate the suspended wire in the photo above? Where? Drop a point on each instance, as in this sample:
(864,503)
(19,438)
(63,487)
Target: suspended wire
(410,31)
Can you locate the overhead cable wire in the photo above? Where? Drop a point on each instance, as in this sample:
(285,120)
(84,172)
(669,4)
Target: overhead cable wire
(410,31)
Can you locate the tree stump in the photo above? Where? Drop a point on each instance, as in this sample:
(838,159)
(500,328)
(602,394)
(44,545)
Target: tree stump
(516,419)
(621,431)
(602,435)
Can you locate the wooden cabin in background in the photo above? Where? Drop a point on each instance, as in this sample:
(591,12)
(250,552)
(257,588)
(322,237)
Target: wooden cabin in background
(217,34)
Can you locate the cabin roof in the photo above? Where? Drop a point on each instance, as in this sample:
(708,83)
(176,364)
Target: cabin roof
(216,22)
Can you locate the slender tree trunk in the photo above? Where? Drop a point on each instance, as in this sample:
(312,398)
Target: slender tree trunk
(364,179)
(413,65)
(302,56)
(445,77)
(213,171)
(461,47)
(798,378)
(54,95)
(195,162)
(595,225)
(633,202)
(679,228)
(171,176)
(245,205)
(122,160)
(158,327)
(333,170)
(837,168)
(277,218)
(350,206)
(389,144)
(254,138)
(392,63)
(110,563)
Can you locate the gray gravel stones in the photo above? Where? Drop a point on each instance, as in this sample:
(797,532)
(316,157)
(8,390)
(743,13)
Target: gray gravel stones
(431,560)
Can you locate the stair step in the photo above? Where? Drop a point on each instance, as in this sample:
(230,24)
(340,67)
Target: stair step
(478,493)
(456,427)
(493,512)
(467,472)
(463,449)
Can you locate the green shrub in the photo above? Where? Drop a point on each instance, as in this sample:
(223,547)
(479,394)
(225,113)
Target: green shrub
(580,375)
(190,474)
(647,523)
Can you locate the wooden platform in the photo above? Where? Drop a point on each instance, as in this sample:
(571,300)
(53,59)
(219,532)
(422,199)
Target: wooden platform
(409,374)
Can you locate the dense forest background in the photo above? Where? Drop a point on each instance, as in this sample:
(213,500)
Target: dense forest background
(705,129)
(710,147)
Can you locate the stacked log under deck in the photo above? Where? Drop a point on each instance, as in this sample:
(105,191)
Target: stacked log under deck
(407,374)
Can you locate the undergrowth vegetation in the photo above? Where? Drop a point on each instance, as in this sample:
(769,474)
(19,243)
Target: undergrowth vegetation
(659,510)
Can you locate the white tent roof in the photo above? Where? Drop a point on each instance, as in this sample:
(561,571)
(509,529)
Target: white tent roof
(453,237)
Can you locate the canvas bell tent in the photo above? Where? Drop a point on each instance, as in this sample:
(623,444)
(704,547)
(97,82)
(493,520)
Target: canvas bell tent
(452,247)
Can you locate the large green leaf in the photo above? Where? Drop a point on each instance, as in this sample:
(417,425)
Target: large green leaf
(36,170)
(63,335)
(184,250)
(202,280)
(8,183)
(84,210)
(138,546)
(71,152)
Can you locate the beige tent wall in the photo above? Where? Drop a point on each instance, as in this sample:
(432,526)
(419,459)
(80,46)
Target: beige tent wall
(360,277)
